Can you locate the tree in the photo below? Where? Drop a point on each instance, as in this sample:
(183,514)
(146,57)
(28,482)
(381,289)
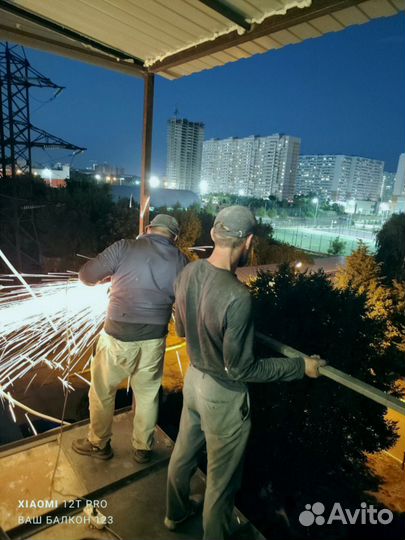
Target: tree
(391,247)
(336,247)
(309,438)
(267,251)
(360,269)
(20,202)
(190,226)
(43,225)
(77,221)
(362,274)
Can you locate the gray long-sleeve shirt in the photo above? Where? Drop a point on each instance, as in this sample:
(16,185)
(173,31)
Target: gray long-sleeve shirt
(214,313)
(143,272)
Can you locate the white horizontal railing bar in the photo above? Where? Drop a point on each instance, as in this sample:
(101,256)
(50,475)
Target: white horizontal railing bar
(340,377)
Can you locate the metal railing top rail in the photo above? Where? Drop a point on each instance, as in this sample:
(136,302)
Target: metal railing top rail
(340,377)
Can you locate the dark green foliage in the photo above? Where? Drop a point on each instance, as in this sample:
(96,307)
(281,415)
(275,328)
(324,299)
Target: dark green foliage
(273,252)
(309,436)
(337,246)
(391,247)
(40,224)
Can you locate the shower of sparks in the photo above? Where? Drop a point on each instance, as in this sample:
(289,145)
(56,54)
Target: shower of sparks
(50,324)
(53,325)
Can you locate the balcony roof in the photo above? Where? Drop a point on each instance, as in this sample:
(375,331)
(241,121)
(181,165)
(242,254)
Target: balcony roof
(180,37)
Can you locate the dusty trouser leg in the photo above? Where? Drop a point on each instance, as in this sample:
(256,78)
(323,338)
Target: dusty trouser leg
(184,459)
(226,424)
(108,369)
(145,383)
(225,462)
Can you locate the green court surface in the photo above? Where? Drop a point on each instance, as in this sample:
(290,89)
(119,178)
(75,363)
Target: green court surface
(319,240)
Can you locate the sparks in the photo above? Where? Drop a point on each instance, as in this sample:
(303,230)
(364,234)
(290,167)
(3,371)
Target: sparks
(29,341)
(52,325)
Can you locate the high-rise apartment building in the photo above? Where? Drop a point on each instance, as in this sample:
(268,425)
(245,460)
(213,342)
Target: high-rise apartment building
(184,150)
(253,166)
(399,185)
(387,187)
(340,177)
(315,175)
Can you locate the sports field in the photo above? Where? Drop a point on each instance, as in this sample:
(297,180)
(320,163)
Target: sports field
(319,240)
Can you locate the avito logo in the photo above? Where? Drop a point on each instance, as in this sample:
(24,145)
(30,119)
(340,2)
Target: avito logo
(366,514)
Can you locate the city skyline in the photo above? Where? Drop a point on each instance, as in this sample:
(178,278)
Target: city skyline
(341,94)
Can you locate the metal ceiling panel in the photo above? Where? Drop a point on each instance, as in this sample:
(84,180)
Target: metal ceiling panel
(155,30)
(305,31)
(378,8)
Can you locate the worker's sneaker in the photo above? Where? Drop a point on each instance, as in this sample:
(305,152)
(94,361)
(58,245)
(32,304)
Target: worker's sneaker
(142,456)
(196,503)
(86,448)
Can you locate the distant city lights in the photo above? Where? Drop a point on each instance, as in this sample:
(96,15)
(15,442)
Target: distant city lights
(154,182)
(203,187)
(47,173)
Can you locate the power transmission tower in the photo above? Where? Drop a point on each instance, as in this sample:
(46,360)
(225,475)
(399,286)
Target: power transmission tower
(17,135)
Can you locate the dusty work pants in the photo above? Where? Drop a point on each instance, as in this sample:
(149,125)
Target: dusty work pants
(220,418)
(114,361)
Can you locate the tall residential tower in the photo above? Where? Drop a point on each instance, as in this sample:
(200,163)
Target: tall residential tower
(184,150)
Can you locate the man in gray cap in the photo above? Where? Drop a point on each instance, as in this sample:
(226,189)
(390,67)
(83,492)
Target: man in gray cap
(214,313)
(132,342)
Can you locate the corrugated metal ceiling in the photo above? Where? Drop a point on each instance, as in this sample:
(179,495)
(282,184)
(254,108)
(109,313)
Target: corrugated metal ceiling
(153,30)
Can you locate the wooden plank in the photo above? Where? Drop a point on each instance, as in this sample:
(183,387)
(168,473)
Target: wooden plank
(366,390)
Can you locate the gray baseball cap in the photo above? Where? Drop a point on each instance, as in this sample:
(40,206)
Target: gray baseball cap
(235,222)
(163,221)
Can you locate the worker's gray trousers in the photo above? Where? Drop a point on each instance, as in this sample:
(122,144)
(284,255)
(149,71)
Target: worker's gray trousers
(219,417)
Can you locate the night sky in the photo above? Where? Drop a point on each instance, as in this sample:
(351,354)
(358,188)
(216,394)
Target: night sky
(342,93)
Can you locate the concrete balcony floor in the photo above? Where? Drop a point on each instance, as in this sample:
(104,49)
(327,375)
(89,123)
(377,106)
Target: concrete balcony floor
(133,494)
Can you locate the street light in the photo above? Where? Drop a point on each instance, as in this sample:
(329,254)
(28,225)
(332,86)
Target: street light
(203,187)
(47,173)
(154,182)
(315,200)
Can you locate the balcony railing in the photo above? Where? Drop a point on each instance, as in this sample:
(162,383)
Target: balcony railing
(340,377)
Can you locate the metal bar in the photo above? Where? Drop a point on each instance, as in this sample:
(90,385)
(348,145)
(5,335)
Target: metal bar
(149,85)
(10,111)
(340,377)
(2,138)
(318,8)
(28,124)
(66,32)
(227,12)
(68,50)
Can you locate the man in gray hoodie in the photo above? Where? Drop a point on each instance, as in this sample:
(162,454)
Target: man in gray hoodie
(132,342)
